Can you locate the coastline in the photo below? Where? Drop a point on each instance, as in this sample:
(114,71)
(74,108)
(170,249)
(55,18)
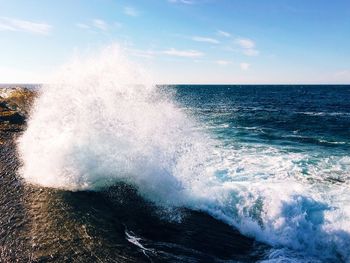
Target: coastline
(50,225)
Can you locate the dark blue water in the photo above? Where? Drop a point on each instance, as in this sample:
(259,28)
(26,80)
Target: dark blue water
(270,184)
(289,145)
(302,117)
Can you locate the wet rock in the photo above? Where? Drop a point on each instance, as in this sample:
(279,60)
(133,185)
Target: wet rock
(19,99)
(12,117)
(15,105)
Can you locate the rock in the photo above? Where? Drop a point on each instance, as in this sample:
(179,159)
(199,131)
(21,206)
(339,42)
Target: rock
(19,99)
(12,117)
(15,104)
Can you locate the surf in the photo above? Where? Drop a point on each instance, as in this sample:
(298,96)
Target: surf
(103,121)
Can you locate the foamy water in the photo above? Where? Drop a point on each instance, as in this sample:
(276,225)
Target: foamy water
(104,121)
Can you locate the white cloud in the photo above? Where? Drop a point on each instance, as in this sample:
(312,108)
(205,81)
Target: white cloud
(342,76)
(244,66)
(342,73)
(248,46)
(245,43)
(131,11)
(251,52)
(183,53)
(13,24)
(117,24)
(169,52)
(142,53)
(24,75)
(223,62)
(223,33)
(205,39)
(186,2)
(100,24)
(83,26)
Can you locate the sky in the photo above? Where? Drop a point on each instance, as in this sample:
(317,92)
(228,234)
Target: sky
(183,41)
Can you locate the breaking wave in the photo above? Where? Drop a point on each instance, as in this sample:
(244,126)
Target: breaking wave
(103,121)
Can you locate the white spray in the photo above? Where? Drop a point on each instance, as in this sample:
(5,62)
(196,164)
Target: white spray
(103,121)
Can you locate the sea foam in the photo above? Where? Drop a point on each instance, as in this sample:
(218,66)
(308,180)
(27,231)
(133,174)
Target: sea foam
(102,121)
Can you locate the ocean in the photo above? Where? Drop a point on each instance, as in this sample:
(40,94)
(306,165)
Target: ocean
(287,147)
(116,172)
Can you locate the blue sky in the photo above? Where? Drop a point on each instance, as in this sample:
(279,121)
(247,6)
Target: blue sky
(183,41)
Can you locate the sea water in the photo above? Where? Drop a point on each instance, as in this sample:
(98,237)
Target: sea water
(270,160)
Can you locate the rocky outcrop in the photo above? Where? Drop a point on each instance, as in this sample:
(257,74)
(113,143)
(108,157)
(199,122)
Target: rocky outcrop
(15,104)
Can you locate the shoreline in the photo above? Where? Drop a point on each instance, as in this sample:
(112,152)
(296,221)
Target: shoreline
(50,225)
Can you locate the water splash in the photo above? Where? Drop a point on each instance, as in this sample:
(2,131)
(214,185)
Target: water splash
(103,121)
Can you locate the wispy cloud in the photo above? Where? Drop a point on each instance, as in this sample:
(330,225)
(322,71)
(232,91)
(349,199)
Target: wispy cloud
(183,53)
(186,2)
(223,33)
(150,54)
(100,24)
(142,53)
(343,73)
(117,25)
(244,66)
(131,11)
(251,52)
(245,43)
(205,39)
(248,46)
(168,52)
(343,76)
(83,26)
(13,24)
(223,62)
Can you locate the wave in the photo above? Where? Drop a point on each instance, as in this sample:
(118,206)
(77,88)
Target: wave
(311,113)
(103,121)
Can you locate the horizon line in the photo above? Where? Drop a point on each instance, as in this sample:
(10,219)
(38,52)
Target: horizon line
(2,85)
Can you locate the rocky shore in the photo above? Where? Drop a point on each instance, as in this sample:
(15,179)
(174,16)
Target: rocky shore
(15,105)
(41,225)
(50,225)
